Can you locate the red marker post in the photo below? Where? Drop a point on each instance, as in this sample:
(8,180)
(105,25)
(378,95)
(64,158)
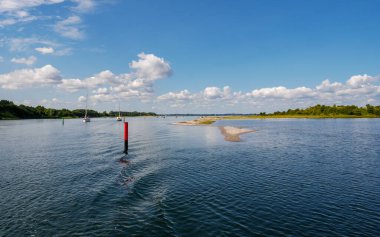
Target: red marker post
(126,137)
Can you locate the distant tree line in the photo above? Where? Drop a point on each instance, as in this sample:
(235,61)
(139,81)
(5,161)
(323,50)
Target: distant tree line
(8,110)
(335,110)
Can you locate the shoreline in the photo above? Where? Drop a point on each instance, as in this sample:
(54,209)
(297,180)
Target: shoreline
(210,120)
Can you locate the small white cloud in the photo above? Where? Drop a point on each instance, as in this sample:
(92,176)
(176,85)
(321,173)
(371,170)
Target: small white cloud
(84,5)
(81,99)
(27,61)
(46,75)
(1,59)
(24,44)
(45,50)
(7,22)
(70,28)
(173,96)
(17,5)
(63,52)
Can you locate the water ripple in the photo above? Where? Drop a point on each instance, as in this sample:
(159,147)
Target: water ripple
(291,178)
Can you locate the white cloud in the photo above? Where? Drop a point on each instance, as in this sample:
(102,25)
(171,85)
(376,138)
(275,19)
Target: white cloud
(212,92)
(216,92)
(81,99)
(15,5)
(7,22)
(358,81)
(84,5)
(282,92)
(46,75)
(17,11)
(45,50)
(12,20)
(109,86)
(103,90)
(27,61)
(327,86)
(1,59)
(182,96)
(357,90)
(102,98)
(63,52)
(24,44)
(150,67)
(72,85)
(70,28)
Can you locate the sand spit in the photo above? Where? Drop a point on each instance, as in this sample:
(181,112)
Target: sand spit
(232,134)
(200,121)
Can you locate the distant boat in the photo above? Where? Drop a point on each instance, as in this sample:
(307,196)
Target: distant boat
(86,119)
(118,118)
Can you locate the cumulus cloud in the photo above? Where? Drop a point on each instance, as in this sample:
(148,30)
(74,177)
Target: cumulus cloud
(215,92)
(358,89)
(327,86)
(46,75)
(70,28)
(138,83)
(45,50)
(183,95)
(358,81)
(27,61)
(100,79)
(150,67)
(282,92)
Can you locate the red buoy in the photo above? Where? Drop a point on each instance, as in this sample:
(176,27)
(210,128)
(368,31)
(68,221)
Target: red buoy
(125,137)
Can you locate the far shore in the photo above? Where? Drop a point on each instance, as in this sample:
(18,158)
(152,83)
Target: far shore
(208,120)
(60,118)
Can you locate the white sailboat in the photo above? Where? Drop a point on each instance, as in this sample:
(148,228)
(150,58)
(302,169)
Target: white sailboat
(118,118)
(86,119)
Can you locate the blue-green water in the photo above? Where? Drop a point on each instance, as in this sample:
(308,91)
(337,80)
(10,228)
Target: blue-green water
(291,177)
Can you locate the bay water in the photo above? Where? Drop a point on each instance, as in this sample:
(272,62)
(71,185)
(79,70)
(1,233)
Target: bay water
(292,177)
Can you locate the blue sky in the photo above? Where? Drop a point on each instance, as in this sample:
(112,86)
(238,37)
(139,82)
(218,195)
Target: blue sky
(207,56)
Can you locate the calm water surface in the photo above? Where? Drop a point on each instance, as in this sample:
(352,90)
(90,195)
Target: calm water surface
(291,177)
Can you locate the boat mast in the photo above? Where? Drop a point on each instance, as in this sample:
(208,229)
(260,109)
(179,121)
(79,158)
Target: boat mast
(119,109)
(85,114)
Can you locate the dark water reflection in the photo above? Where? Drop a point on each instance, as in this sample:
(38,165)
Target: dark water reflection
(291,177)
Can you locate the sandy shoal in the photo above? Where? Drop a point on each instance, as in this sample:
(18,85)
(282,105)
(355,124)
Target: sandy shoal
(232,134)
